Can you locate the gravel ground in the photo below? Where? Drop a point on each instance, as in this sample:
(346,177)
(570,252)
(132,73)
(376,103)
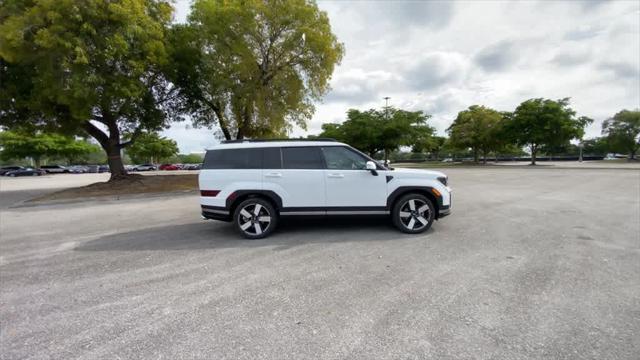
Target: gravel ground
(541,264)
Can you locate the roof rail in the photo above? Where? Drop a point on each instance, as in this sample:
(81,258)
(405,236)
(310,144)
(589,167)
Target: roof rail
(270,140)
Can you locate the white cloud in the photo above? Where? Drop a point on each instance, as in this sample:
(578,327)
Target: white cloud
(442,57)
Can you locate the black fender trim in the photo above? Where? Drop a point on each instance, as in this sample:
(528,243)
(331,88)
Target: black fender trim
(427,190)
(238,194)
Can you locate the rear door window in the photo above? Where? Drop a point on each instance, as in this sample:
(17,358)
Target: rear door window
(271,158)
(302,158)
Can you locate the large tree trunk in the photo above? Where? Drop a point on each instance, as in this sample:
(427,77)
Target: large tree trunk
(111,145)
(223,122)
(114,159)
(534,150)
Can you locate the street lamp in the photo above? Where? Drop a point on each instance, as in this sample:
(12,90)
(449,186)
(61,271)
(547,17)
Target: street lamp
(386,107)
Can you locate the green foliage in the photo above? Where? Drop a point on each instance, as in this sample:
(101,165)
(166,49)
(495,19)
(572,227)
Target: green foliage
(20,145)
(596,146)
(189,158)
(478,128)
(77,63)
(545,124)
(432,145)
(152,148)
(381,130)
(253,67)
(622,132)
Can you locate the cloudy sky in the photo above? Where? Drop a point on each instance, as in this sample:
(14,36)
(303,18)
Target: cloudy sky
(442,57)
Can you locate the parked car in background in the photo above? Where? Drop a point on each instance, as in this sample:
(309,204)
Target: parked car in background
(130,167)
(192,167)
(168,167)
(78,169)
(103,169)
(6,169)
(55,169)
(145,167)
(25,172)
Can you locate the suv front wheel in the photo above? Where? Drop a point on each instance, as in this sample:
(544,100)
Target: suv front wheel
(413,213)
(255,218)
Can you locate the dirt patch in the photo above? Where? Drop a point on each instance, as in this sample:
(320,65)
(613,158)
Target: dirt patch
(132,184)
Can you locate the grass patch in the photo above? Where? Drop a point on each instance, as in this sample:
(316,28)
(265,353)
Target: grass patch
(438,164)
(132,184)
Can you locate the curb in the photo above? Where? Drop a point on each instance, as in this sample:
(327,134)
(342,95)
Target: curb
(106,199)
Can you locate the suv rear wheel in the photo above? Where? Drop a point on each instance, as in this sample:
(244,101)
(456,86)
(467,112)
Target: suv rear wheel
(413,213)
(255,218)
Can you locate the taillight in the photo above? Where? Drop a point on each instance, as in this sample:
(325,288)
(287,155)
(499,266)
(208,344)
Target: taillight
(211,193)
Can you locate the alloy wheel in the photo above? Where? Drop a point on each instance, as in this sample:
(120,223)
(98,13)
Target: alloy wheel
(254,219)
(414,214)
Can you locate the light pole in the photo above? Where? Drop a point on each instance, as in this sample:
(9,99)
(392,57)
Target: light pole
(386,118)
(580,146)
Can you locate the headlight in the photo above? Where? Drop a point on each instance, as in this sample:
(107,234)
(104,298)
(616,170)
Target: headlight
(443,180)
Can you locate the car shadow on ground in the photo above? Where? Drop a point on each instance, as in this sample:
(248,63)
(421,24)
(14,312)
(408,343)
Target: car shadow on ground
(212,235)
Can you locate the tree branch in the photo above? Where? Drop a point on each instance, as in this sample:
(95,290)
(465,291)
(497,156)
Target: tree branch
(136,133)
(96,133)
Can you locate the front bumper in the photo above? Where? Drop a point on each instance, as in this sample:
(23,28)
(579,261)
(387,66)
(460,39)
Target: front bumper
(445,210)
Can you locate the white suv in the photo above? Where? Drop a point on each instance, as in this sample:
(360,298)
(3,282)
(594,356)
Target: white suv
(254,182)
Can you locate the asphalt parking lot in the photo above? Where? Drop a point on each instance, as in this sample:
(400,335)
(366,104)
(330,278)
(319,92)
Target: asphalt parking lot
(532,264)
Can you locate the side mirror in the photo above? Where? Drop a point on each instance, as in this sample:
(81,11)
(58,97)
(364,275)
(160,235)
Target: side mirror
(371,166)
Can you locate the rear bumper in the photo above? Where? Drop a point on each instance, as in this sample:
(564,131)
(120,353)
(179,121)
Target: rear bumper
(215,213)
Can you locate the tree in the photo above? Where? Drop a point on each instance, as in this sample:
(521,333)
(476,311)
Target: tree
(151,147)
(362,130)
(75,151)
(543,123)
(20,145)
(374,130)
(622,132)
(190,158)
(436,146)
(253,68)
(478,128)
(91,67)
(596,146)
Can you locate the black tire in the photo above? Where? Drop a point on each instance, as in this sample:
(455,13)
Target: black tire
(411,212)
(255,225)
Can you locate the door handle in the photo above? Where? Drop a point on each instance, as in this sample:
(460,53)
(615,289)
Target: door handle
(273,175)
(336,176)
